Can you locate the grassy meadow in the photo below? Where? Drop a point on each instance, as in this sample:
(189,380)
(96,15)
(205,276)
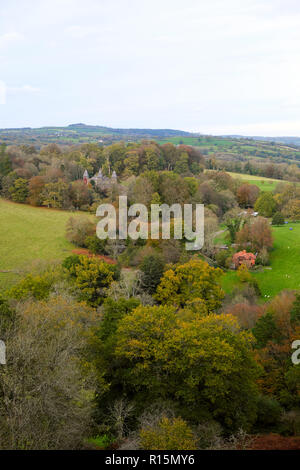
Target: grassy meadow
(284,270)
(28,233)
(264,184)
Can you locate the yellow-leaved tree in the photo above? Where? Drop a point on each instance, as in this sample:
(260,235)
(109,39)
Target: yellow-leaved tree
(199,362)
(189,283)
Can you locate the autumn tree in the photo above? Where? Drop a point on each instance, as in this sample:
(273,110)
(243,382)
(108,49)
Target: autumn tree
(91,279)
(189,359)
(36,187)
(19,190)
(78,230)
(247,194)
(46,387)
(292,209)
(56,194)
(274,332)
(80,194)
(168,434)
(256,233)
(194,281)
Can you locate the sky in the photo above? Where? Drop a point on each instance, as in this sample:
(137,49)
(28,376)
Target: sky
(208,66)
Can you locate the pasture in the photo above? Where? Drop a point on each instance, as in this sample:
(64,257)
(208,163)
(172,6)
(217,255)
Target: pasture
(284,270)
(264,184)
(28,233)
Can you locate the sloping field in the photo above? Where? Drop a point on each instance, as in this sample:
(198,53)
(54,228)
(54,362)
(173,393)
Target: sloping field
(28,233)
(264,184)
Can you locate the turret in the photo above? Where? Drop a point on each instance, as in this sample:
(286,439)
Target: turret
(114,176)
(86,177)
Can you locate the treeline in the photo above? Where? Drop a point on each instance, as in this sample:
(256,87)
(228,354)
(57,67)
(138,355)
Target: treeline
(52,177)
(250,166)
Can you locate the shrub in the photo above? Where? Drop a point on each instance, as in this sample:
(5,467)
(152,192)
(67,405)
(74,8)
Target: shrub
(243,273)
(278,219)
(95,245)
(222,258)
(209,435)
(268,412)
(168,434)
(78,229)
(32,286)
(7,316)
(101,441)
(263,257)
(290,423)
(70,262)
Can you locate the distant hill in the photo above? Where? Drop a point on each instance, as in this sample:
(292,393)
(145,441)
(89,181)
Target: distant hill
(228,147)
(82,133)
(133,132)
(289,140)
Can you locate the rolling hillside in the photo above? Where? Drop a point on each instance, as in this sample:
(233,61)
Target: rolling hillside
(29,233)
(237,148)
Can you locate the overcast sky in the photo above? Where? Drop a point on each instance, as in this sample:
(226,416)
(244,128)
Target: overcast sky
(210,66)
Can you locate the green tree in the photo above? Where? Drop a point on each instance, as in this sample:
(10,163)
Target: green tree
(192,184)
(265,204)
(278,219)
(113,311)
(152,268)
(234,222)
(5,161)
(182,164)
(19,191)
(266,330)
(95,244)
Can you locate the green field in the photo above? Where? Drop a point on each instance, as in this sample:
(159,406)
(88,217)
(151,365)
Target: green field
(264,184)
(28,233)
(285,264)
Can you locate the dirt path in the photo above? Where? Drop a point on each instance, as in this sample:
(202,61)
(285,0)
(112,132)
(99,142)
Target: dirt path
(83,251)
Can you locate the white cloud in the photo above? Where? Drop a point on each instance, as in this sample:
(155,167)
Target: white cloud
(80,32)
(269,129)
(23,89)
(2,92)
(8,38)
